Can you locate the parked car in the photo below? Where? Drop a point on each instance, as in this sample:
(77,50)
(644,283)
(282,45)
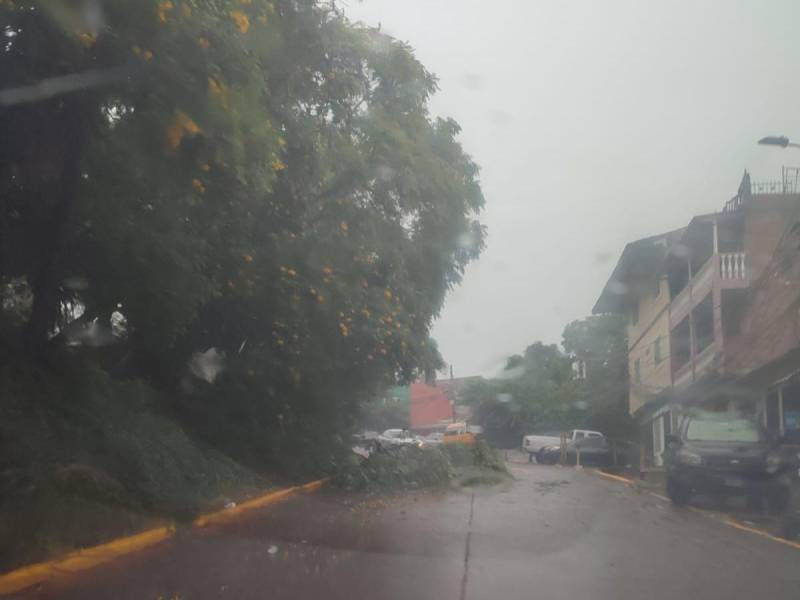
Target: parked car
(594,450)
(725,454)
(397,437)
(533,444)
(433,439)
(790,519)
(458,433)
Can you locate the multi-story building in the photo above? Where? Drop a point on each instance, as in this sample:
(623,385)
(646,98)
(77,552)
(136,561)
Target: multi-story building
(686,294)
(638,288)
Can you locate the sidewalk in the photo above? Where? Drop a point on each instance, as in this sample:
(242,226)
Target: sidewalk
(655,482)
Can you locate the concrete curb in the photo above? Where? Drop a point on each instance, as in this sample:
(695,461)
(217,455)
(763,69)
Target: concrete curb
(719,518)
(229,514)
(89,558)
(81,560)
(624,480)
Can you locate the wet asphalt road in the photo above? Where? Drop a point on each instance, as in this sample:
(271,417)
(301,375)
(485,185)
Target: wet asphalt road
(553,533)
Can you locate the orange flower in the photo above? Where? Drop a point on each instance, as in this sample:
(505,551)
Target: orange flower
(180,126)
(163,9)
(291,272)
(241,20)
(327,270)
(198,185)
(247,258)
(206,167)
(278,165)
(220,91)
(343,226)
(203,41)
(87,39)
(147,55)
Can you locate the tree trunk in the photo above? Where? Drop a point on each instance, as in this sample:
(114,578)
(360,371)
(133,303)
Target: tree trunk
(46,284)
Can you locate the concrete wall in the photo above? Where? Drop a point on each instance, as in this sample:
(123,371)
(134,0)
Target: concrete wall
(766,219)
(653,324)
(428,405)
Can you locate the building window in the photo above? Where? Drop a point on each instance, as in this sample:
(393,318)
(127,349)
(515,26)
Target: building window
(637,371)
(704,324)
(657,350)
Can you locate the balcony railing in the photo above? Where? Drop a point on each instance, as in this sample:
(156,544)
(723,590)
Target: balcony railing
(683,375)
(702,362)
(729,267)
(697,289)
(732,266)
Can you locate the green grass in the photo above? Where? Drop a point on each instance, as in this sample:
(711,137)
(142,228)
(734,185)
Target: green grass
(84,458)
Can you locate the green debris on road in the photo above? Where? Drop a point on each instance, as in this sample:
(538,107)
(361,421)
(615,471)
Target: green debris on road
(415,468)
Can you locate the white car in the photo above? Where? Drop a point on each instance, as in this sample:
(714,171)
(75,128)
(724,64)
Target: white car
(398,437)
(434,439)
(534,444)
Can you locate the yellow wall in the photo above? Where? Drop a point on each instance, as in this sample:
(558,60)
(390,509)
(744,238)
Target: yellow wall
(653,323)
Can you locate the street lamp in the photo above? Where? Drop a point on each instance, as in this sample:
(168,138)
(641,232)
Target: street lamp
(777,140)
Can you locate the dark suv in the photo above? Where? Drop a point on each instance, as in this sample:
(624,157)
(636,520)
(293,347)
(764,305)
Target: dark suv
(725,454)
(790,520)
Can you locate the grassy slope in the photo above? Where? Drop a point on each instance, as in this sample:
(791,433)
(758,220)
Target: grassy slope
(84,458)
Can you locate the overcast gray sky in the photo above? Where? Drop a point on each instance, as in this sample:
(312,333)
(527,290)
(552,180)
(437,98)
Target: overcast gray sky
(595,123)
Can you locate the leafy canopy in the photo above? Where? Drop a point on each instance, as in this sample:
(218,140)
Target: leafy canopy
(260,177)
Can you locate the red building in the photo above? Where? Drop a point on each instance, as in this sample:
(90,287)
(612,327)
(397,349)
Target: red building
(431,409)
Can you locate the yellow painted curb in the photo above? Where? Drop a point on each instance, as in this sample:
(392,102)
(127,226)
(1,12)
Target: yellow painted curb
(229,514)
(82,559)
(615,477)
(762,533)
(728,522)
(88,558)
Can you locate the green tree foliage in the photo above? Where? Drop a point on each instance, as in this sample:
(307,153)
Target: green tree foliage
(262,178)
(390,411)
(538,390)
(601,343)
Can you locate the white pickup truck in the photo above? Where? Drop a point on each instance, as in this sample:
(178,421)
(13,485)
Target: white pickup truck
(533,444)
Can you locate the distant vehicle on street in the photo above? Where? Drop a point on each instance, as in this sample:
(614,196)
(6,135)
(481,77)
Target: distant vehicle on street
(363,443)
(397,437)
(433,439)
(594,450)
(456,433)
(364,437)
(533,444)
(725,454)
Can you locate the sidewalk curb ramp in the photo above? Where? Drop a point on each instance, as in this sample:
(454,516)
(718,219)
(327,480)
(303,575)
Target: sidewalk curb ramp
(89,558)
